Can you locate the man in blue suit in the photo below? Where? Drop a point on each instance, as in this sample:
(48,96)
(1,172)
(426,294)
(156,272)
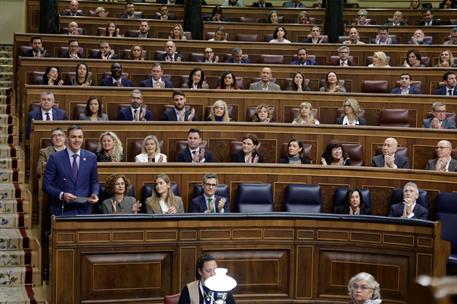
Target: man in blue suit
(389,157)
(405,87)
(45,112)
(409,208)
(116,79)
(180,112)
(195,152)
(209,202)
(71,177)
(450,89)
(438,119)
(137,111)
(302,58)
(156,81)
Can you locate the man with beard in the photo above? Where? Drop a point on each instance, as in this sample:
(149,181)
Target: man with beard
(137,111)
(180,112)
(116,79)
(104,52)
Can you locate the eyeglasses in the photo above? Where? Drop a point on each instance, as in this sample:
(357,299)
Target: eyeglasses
(210,185)
(441,147)
(440,111)
(361,287)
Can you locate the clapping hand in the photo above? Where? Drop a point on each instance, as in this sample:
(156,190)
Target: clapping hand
(171,210)
(136,207)
(191,115)
(389,160)
(221,204)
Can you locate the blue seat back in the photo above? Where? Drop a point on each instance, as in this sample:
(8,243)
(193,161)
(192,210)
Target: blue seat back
(303,198)
(254,198)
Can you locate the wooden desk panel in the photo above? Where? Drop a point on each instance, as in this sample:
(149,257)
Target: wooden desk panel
(274,259)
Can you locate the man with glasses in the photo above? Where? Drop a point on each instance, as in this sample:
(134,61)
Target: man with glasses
(209,201)
(389,157)
(209,56)
(438,119)
(443,161)
(452,37)
(137,110)
(344,56)
(57,144)
(405,87)
(315,36)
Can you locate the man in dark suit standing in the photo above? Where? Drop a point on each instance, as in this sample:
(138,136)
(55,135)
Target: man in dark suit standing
(409,208)
(405,87)
(156,81)
(438,119)
(45,112)
(443,161)
(450,89)
(194,153)
(302,58)
(262,4)
(37,48)
(116,79)
(71,177)
(137,111)
(389,157)
(179,112)
(209,201)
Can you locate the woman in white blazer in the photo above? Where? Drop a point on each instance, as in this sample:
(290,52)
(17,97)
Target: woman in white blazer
(150,151)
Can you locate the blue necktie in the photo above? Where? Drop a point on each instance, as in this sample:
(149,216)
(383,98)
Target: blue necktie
(74,166)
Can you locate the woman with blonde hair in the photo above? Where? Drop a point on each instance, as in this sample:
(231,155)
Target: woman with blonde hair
(219,112)
(136,52)
(379,60)
(163,200)
(109,148)
(446,60)
(351,113)
(305,115)
(119,202)
(177,33)
(150,151)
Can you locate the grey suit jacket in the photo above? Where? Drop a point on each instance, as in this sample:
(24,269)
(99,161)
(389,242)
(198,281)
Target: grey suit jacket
(445,124)
(258,86)
(155,208)
(43,158)
(431,165)
(125,206)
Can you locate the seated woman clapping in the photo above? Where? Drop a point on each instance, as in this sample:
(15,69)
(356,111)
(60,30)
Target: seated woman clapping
(354,204)
(295,153)
(109,148)
(305,115)
(150,151)
(119,202)
(219,112)
(248,153)
(163,200)
(335,155)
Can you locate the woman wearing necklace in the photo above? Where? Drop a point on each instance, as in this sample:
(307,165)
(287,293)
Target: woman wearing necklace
(119,202)
(196,292)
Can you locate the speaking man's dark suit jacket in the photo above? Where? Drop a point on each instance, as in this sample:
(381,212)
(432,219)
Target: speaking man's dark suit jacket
(267,4)
(198,204)
(400,161)
(443,91)
(184,156)
(431,165)
(170,115)
(308,62)
(420,212)
(57,114)
(58,178)
(108,82)
(148,83)
(445,124)
(126,114)
(238,157)
(412,90)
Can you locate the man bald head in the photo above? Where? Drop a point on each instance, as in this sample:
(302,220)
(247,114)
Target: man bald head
(443,149)
(390,146)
